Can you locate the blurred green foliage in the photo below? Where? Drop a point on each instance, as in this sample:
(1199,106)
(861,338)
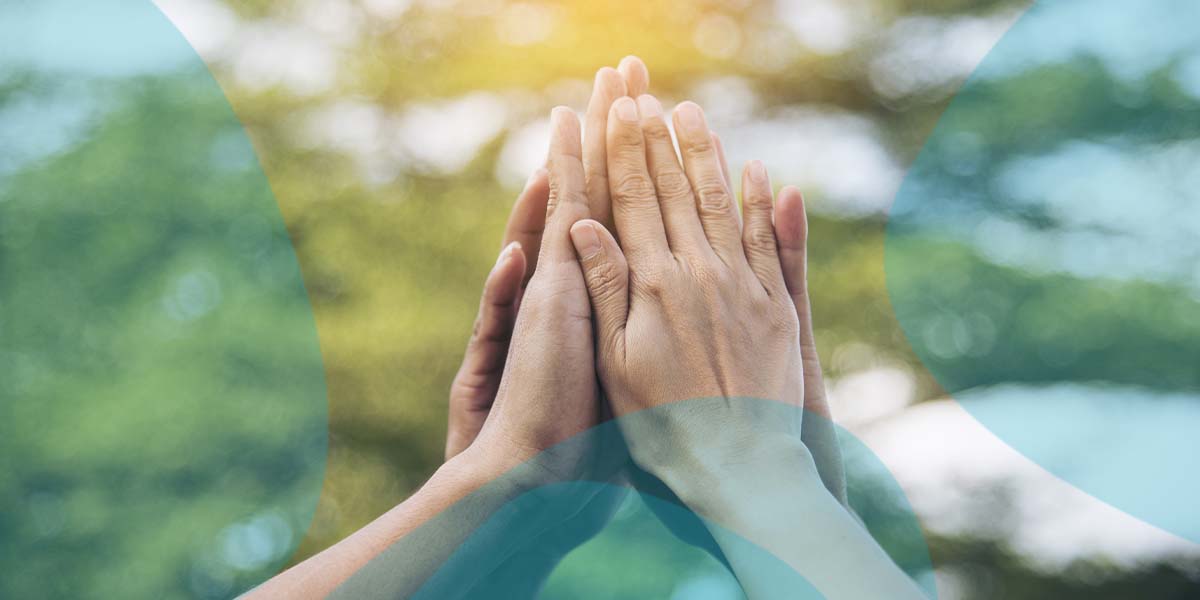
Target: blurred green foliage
(162,391)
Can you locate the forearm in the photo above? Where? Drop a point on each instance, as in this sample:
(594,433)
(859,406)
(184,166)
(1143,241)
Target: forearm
(462,477)
(759,490)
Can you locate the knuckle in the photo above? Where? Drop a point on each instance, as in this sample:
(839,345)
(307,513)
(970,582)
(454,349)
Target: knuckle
(656,133)
(714,198)
(632,186)
(628,138)
(702,145)
(672,184)
(760,239)
(758,198)
(605,280)
(650,282)
(560,195)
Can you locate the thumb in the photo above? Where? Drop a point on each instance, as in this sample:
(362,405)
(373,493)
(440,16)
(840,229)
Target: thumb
(607,276)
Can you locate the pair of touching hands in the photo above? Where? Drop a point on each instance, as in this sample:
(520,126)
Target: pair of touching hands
(629,286)
(694,300)
(631,266)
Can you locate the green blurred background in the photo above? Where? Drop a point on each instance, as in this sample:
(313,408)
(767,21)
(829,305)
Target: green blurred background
(395,134)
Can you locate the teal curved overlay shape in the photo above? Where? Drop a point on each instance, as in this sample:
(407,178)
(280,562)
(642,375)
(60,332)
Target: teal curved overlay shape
(162,400)
(620,537)
(1041,253)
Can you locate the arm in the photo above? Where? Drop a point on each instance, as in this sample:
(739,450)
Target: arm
(547,394)
(695,306)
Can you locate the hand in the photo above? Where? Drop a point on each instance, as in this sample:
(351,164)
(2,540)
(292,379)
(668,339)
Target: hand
(700,307)
(478,379)
(697,307)
(545,396)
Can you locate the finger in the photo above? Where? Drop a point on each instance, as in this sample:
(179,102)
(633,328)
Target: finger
(791,226)
(528,219)
(720,148)
(606,274)
(609,86)
(636,75)
(685,235)
(478,378)
(758,236)
(634,201)
(714,200)
(567,201)
(791,232)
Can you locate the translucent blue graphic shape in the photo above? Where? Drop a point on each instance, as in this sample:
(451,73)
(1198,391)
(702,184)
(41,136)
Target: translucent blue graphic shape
(162,400)
(504,539)
(1042,253)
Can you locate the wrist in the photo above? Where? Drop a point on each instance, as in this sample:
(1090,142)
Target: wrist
(705,448)
(727,481)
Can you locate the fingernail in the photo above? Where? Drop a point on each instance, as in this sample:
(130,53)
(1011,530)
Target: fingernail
(559,114)
(626,109)
(601,75)
(758,173)
(691,119)
(533,176)
(649,105)
(586,240)
(507,252)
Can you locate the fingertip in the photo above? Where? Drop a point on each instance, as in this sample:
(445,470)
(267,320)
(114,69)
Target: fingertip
(565,131)
(791,196)
(631,61)
(636,75)
(611,81)
(561,115)
(530,207)
(755,181)
(504,282)
(512,253)
(649,106)
(790,221)
(625,109)
(689,120)
(586,238)
(536,179)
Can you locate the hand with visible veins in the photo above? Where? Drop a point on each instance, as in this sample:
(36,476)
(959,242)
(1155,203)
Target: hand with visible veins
(690,305)
(693,306)
(497,421)
(478,379)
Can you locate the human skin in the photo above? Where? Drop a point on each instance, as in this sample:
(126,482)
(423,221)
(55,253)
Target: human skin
(547,394)
(692,305)
(475,385)
(522,421)
(478,378)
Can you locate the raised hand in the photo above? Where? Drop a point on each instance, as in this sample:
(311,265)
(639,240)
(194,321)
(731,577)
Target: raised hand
(478,379)
(693,306)
(690,305)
